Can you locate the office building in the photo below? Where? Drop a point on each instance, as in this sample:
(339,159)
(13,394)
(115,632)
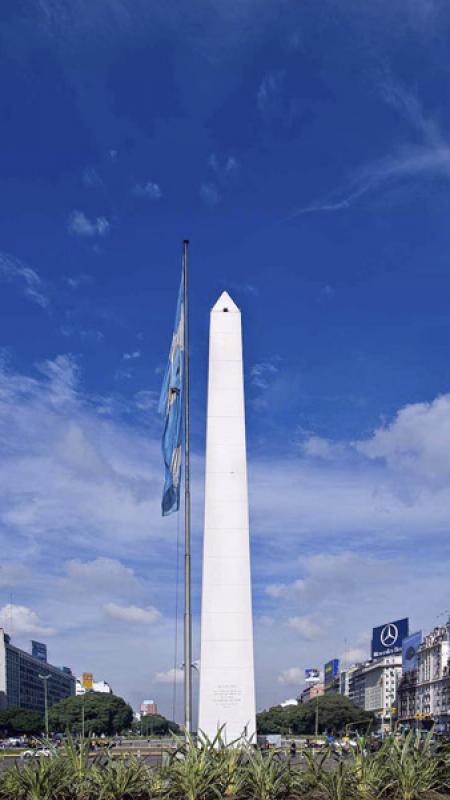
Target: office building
(20,683)
(373,685)
(148,707)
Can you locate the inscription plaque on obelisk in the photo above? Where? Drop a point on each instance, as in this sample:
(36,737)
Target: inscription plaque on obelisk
(227,683)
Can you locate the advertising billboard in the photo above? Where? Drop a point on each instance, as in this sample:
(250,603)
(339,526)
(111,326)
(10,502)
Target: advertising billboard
(312,674)
(331,671)
(409,650)
(88,680)
(388,638)
(39,650)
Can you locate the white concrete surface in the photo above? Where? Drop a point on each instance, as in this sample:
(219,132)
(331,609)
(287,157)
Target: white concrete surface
(227,683)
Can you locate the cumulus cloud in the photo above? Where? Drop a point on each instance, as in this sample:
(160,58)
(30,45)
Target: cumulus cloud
(79,224)
(99,575)
(306,627)
(293,676)
(132,356)
(68,471)
(416,444)
(132,614)
(150,190)
(21,620)
(14,271)
(170,676)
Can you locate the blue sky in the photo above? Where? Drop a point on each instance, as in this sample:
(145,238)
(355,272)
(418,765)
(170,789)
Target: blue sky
(304,149)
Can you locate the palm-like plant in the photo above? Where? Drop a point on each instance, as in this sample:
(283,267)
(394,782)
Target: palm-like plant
(314,768)
(338,783)
(121,779)
(413,771)
(368,770)
(43,779)
(194,771)
(264,777)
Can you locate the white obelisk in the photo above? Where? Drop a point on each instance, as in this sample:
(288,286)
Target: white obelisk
(227,682)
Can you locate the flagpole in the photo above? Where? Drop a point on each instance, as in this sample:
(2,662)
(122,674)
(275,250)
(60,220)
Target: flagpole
(187,514)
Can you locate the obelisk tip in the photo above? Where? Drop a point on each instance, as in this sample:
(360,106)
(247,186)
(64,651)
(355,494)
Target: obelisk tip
(225,303)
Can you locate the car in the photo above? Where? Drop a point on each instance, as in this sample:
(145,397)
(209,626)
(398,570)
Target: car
(41,752)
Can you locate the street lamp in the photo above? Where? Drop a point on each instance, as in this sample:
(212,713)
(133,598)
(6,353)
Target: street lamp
(45,678)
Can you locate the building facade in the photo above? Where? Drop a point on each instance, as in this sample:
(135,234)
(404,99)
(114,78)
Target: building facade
(373,685)
(424,692)
(148,707)
(311,691)
(20,683)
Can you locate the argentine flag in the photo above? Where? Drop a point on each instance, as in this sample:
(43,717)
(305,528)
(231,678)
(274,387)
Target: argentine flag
(171,407)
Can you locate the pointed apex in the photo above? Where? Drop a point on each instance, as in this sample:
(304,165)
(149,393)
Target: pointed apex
(225,303)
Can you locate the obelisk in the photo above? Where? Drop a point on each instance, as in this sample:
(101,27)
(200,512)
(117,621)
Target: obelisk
(227,682)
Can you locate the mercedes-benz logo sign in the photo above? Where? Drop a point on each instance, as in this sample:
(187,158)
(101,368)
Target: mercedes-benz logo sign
(389,635)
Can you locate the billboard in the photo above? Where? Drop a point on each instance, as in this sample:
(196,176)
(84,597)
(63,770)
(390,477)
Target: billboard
(409,650)
(312,674)
(88,680)
(39,650)
(331,671)
(388,638)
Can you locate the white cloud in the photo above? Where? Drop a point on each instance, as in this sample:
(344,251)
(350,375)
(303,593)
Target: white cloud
(21,620)
(75,281)
(263,373)
(80,225)
(132,614)
(146,400)
(291,676)
(210,194)
(429,159)
(66,471)
(306,627)
(131,356)
(149,189)
(170,676)
(416,444)
(13,574)
(100,575)
(15,271)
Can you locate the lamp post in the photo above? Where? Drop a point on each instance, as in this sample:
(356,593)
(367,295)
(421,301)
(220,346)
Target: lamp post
(45,678)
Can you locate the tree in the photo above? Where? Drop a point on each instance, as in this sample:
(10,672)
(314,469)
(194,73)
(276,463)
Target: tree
(103,713)
(157,725)
(21,721)
(335,712)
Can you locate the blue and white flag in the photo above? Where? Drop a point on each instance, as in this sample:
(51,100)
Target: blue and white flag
(171,407)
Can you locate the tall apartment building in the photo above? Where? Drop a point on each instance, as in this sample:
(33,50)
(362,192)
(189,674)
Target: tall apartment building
(424,692)
(20,683)
(373,684)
